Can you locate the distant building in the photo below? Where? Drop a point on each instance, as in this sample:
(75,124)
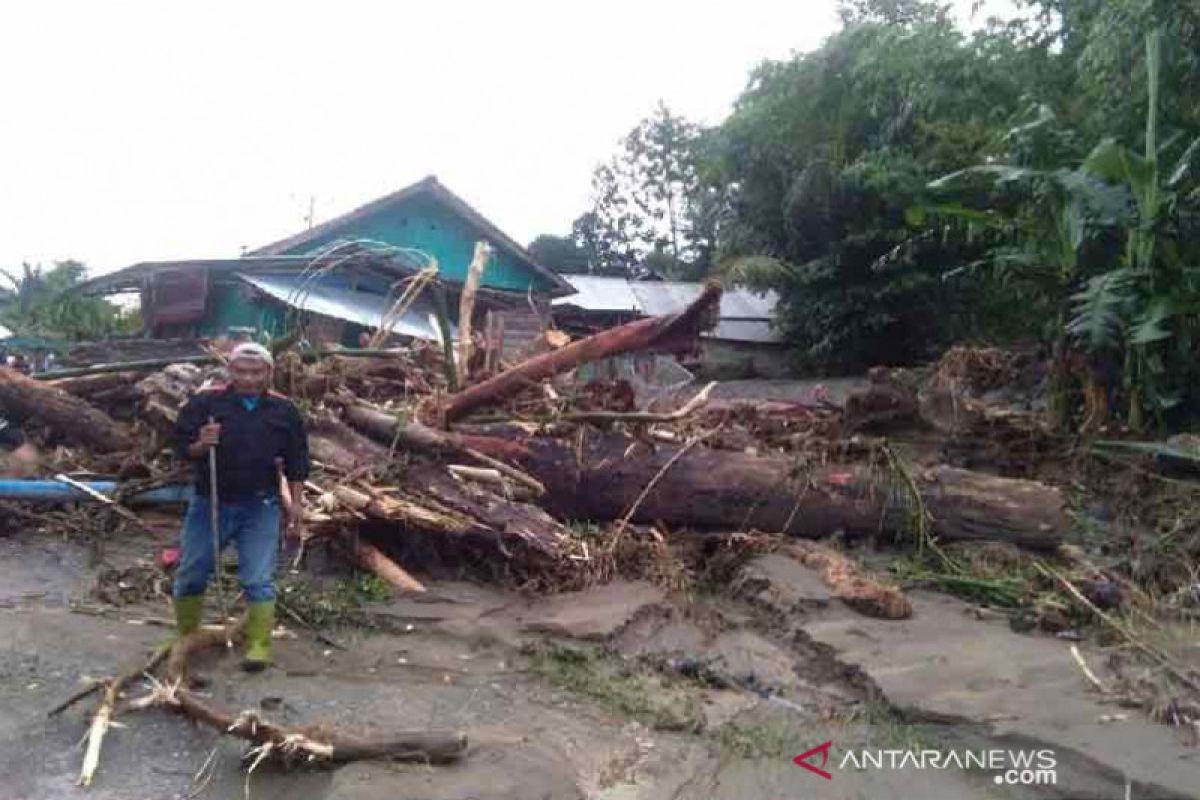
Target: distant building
(744,344)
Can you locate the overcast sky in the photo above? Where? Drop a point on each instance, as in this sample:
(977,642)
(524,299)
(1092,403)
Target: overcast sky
(150,130)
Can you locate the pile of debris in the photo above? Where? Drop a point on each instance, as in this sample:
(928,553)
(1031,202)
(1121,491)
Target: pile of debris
(428,460)
(499,476)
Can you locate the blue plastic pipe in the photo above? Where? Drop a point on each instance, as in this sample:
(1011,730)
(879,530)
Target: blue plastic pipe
(41,490)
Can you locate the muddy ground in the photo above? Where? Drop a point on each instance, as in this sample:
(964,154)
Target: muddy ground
(617,692)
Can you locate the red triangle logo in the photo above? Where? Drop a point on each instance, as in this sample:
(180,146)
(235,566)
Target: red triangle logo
(802,760)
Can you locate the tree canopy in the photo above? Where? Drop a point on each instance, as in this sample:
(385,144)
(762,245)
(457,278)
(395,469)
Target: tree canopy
(909,184)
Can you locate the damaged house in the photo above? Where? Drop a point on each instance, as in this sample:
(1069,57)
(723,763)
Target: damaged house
(344,274)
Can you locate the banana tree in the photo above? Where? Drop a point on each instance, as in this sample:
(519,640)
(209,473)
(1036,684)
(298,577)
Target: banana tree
(1150,301)
(1045,223)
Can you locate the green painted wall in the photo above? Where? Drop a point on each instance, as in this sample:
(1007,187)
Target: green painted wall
(423,223)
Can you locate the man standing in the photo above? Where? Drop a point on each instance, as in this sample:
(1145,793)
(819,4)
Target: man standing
(252,430)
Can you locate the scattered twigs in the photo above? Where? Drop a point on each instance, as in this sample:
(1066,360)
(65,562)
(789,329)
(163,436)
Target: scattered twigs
(682,412)
(1178,672)
(102,719)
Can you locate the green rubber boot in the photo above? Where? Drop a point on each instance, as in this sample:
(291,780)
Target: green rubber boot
(188,613)
(260,621)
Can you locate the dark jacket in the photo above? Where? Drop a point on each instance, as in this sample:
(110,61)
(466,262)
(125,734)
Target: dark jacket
(251,441)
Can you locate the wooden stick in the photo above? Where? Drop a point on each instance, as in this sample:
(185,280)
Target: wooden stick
(477,474)
(105,499)
(1087,671)
(102,719)
(87,691)
(372,558)
(508,470)
(466,308)
(644,416)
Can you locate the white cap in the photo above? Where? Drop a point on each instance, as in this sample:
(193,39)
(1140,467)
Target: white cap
(252,352)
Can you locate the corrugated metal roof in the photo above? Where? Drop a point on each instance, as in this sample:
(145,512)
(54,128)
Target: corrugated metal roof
(745,314)
(363,308)
(738,330)
(594,293)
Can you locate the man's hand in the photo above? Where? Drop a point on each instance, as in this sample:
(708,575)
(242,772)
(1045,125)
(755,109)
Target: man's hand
(210,437)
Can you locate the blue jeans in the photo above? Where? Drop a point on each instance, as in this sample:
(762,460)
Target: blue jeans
(252,523)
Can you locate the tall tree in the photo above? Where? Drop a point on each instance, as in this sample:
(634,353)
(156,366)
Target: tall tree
(559,253)
(648,199)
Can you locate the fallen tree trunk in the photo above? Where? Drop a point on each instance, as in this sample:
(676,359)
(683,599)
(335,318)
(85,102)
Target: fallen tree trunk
(92,385)
(70,418)
(487,450)
(333,442)
(605,477)
(736,491)
(654,333)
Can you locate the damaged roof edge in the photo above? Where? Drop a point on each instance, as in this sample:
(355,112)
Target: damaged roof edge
(432,186)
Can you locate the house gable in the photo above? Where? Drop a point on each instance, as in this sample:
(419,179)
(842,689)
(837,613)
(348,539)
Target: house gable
(428,217)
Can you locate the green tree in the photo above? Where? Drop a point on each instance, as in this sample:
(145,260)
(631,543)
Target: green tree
(42,303)
(559,253)
(827,152)
(647,199)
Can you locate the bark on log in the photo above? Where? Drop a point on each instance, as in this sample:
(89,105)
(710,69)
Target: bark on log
(91,385)
(711,489)
(385,428)
(655,333)
(68,417)
(333,442)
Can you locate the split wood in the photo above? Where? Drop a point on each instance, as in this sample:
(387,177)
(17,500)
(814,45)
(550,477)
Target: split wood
(466,308)
(644,416)
(102,719)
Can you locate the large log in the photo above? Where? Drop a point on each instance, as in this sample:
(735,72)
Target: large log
(91,385)
(602,479)
(654,333)
(69,418)
(735,491)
